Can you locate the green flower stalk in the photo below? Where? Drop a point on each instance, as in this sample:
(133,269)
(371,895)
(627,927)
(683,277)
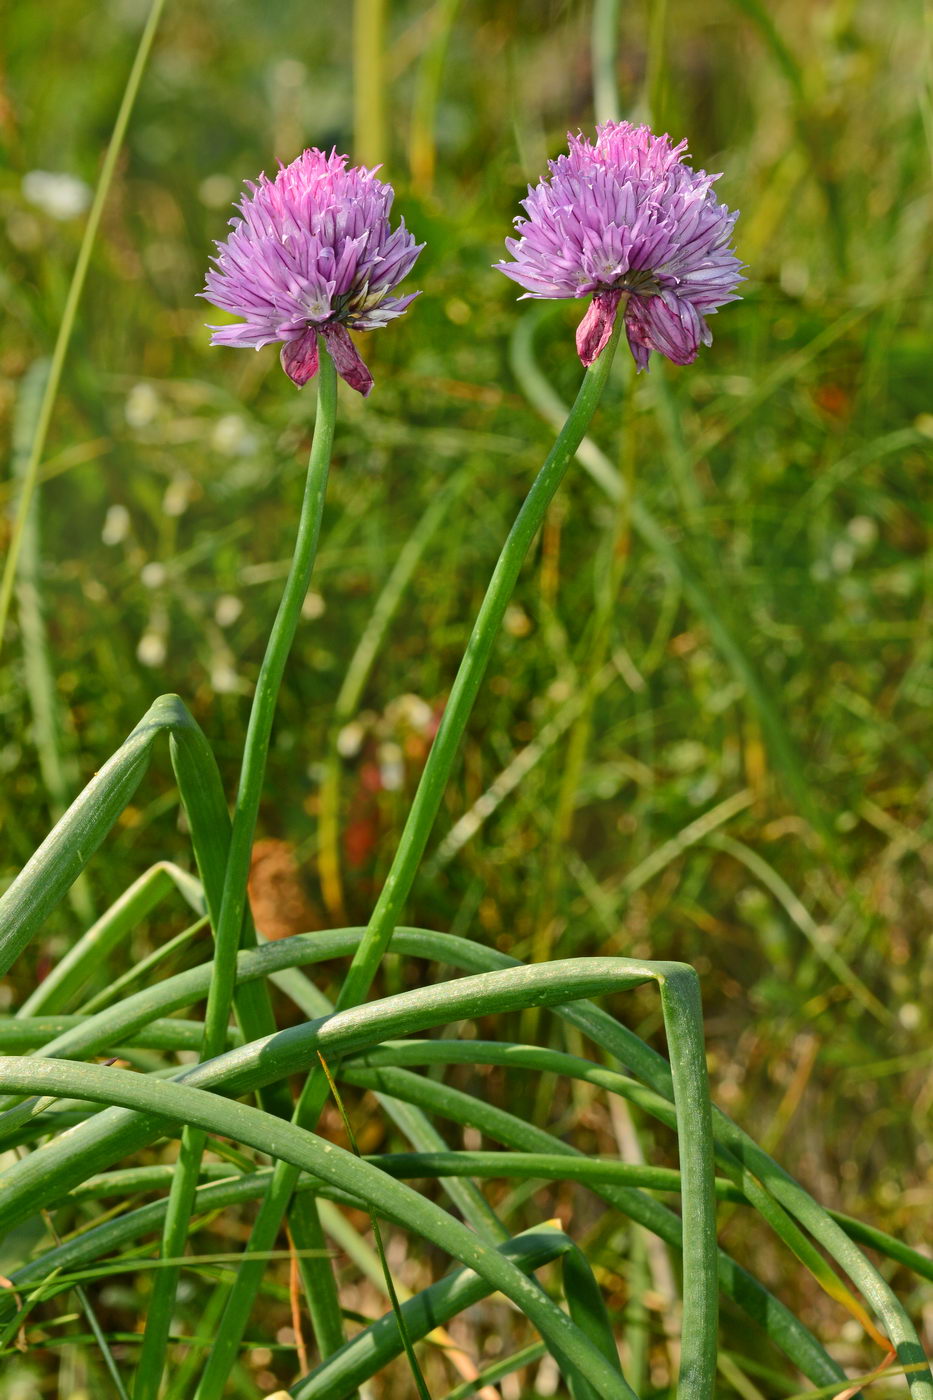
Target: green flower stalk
(311,254)
(233,904)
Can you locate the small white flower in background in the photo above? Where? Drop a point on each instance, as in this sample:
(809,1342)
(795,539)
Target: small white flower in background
(842,556)
(863,531)
(227,609)
(516,621)
(153,575)
(142,405)
(224,678)
(151,649)
(391,767)
(178,495)
(409,711)
(232,436)
(59,195)
(350,739)
(313,606)
(116,525)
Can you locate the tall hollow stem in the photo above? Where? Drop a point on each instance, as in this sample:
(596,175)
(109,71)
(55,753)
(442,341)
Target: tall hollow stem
(233,903)
(253,768)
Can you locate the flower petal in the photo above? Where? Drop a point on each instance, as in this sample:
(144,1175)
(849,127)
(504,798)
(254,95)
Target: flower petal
(668,324)
(628,214)
(310,247)
(595,329)
(300,358)
(346,358)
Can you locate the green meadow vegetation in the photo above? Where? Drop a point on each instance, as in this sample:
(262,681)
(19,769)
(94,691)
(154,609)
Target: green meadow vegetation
(703,736)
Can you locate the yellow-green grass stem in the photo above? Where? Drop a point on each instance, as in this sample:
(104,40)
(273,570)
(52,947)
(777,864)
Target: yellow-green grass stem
(354,683)
(66,325)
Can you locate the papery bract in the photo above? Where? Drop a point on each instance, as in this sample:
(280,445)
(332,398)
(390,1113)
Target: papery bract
(625,217)
(312,253)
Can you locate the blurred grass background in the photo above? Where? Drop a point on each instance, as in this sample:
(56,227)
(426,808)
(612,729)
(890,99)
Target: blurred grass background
(715,751)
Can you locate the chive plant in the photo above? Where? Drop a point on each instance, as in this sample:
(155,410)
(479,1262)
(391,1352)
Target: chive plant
(624,223)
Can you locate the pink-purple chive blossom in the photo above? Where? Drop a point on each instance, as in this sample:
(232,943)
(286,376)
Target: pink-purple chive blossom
(625,217)
(311,254)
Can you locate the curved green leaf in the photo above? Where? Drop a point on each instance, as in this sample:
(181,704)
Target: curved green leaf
(174,1101)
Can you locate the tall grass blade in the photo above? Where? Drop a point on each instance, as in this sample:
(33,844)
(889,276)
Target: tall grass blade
(66,325)
(356,676)
(784,752)
(59,773)
(84,958)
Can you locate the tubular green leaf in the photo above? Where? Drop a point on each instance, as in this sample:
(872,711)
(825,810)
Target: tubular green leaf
(307,1152)
(84,957)
(377,1344)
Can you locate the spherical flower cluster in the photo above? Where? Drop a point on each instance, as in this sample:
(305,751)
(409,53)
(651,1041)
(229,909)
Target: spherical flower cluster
(312,254)
(624,217)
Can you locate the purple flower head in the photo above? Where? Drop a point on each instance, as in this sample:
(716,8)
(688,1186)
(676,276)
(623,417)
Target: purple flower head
(311,254)
(626,218)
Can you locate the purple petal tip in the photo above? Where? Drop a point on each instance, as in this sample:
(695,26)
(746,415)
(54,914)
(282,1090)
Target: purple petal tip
(300,358)
(346,358)
(595,329)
